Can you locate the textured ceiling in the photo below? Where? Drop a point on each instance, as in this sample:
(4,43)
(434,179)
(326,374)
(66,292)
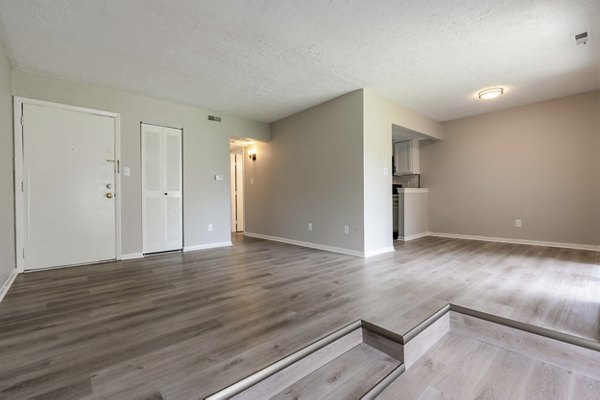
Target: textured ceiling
(267,59)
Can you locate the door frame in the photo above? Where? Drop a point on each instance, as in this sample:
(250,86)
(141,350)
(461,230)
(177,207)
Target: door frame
(20,228)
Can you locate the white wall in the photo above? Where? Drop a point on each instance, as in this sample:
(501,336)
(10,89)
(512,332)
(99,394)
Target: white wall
(416,213)
(7,216)
(310,171)
(539,163)
(379,116)
(206,152)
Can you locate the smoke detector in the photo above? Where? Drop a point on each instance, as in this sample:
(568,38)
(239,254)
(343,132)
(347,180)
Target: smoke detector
(581,38)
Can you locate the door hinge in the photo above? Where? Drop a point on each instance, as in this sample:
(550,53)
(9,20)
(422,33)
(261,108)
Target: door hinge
(22,186)
(22,119)
(23,252)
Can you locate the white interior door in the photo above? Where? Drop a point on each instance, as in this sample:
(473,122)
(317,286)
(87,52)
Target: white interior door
(152,199)
(233,202)
(237,191)
(69,187)
(162,189)
(173,235)
(239,188)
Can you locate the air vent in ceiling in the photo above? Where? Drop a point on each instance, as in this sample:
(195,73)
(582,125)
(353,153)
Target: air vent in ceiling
(214,118)
(581,38)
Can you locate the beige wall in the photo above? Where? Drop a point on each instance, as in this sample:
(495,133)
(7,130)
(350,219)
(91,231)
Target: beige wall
(388,113)
(539,163)
(379,116)
(311,171)
(206,152)
(326,165)
(7,216)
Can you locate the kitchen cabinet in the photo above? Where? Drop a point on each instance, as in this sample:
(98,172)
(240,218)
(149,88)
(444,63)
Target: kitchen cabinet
(406,157)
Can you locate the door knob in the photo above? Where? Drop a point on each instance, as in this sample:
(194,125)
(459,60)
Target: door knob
(108,186)
(109,195)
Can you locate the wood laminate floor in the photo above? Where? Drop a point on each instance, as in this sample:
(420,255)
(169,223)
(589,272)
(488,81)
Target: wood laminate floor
(458,367)
(182,326)
(346,377)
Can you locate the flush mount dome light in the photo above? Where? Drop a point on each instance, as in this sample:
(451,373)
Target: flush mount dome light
(490,93)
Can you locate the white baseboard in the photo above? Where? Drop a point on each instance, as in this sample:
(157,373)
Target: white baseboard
(311,245)
(379,251)
(574,246)
(206,246)
(7,284)
(131,256)
(413,237)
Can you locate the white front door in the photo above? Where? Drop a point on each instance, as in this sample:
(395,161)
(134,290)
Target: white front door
(69,187)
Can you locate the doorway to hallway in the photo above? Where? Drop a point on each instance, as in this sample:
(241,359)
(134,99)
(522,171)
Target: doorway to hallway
(238,152)
(237,190)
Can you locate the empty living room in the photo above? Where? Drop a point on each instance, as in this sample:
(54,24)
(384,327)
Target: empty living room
(259,199)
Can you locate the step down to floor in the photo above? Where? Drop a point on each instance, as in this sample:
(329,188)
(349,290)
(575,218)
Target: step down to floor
(357,361)
(363,360)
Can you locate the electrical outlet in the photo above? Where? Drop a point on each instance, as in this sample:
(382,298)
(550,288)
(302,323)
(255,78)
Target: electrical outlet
(210,227)
(518,223)
(310,226)
(346,229)
(386,171)
(252,181)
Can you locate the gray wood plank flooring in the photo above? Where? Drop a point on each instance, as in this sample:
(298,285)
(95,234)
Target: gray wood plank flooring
(349,376)
(181,326)
(459,367)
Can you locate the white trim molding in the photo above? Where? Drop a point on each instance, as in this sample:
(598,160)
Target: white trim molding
(379,251)
(311,245)
(8,283)
(206,246)
(413,237)
(574,246)
(131,256)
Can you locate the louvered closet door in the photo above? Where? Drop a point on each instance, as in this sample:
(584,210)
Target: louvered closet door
(161,183)
(172,189)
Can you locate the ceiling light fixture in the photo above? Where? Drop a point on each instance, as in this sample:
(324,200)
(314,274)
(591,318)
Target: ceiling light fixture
(490,93)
